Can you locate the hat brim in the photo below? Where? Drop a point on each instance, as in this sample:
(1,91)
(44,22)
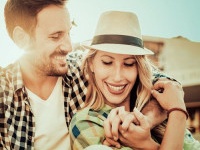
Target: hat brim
(118,48)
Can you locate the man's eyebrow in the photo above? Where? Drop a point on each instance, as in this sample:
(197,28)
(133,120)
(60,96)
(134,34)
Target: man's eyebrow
(58,32)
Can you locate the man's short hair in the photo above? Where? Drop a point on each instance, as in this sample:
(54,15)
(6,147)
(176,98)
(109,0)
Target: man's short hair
(23,13)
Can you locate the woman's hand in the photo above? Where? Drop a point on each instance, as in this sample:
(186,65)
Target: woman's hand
(118,118)
(138,136)
(129,129)
(111,126)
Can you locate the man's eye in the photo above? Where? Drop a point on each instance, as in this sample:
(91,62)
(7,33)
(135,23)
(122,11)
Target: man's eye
(56,36)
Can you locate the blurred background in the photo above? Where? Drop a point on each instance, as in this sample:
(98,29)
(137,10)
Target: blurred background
(179,57)
(170,28)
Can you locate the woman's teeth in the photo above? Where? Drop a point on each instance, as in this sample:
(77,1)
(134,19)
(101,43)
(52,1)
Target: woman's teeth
(116,88)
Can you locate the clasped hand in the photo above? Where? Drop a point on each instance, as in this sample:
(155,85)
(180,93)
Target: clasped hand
(129,128)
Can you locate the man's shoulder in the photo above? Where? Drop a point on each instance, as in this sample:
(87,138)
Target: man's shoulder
(74,61)
(8,75)
(6,72)
(76,57)
(10,69)
(77,54)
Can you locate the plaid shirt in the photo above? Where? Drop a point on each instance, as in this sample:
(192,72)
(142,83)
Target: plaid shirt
(17,122)
(86,129)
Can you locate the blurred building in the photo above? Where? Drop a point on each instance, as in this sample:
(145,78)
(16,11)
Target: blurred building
(180,58)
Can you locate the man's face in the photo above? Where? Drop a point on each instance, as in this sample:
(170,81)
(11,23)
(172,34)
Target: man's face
(51,42)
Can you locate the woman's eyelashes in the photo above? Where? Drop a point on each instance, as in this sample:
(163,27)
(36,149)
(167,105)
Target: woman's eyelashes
(127,64)
(106,62)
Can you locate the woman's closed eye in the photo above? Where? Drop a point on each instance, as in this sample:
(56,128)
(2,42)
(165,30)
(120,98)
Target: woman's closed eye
(125,64)
(129,64)
(107,62)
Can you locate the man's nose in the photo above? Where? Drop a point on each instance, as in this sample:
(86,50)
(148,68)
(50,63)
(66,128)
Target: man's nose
(66,44)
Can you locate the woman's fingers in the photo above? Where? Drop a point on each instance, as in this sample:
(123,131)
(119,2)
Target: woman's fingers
(115,127)
(107,128)
(143,122)
(127,120)
(111,124)
(110,142)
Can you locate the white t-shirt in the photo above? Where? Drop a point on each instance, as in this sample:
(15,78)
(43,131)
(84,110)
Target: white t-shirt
(51,129)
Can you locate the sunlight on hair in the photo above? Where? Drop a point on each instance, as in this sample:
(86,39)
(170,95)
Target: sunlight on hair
(9,52)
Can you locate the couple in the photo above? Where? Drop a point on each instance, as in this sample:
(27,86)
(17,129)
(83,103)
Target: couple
(41,92)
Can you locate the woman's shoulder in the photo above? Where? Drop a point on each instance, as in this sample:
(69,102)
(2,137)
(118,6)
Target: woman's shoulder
(80,114)
(86,121)
(88,114)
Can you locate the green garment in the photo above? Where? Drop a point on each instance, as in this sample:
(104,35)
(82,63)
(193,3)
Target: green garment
(86,129)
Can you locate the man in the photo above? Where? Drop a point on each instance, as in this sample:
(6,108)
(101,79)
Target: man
(41,91)
(34,111)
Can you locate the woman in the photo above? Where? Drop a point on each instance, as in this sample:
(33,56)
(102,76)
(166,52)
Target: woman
(119,74)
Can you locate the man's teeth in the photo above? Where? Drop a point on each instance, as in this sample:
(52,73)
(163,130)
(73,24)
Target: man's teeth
(60,57)
(116,88)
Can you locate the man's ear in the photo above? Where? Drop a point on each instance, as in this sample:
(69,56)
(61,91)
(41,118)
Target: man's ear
(21,37)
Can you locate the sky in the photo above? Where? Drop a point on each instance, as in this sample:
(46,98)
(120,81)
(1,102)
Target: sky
(160,18)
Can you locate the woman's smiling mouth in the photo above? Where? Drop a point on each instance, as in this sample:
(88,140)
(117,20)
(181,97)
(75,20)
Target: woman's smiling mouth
(115,89)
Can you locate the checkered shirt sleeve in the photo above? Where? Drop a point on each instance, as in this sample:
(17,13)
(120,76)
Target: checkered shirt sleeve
(75,85)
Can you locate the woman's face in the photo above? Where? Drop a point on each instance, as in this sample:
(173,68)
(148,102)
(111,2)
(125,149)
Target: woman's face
(115,75)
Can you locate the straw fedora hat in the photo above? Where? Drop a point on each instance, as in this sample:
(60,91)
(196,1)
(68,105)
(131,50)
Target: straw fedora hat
(118,32)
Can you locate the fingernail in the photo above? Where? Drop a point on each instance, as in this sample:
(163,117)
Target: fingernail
(118,146)
(115,138)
